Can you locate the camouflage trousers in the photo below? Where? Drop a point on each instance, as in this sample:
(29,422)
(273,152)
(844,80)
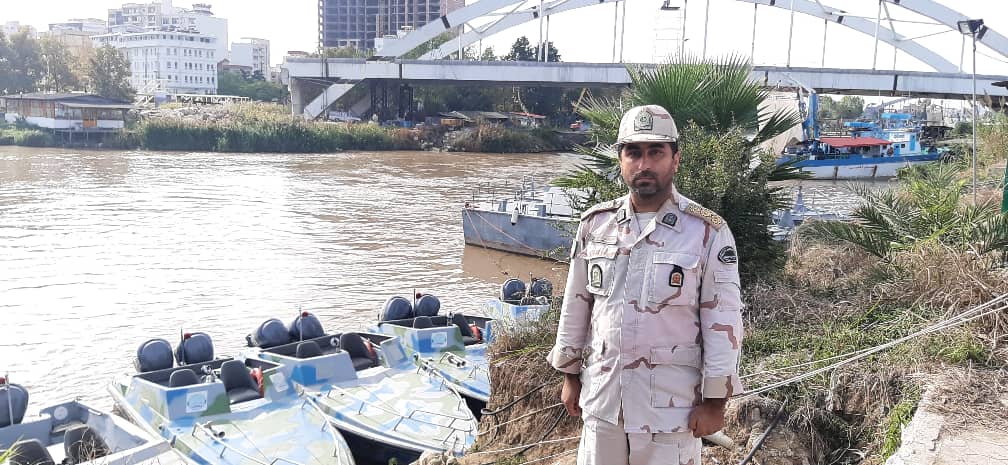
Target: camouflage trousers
(603,443)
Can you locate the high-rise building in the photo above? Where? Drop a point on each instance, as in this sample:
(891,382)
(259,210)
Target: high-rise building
(356,23)
(158,15)
(172,61)
(13,27)
(252,52)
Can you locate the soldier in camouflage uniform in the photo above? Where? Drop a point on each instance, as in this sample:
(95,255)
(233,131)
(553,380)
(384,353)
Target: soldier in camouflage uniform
(651,325)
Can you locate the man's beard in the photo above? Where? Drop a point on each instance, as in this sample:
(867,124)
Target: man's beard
(646,190)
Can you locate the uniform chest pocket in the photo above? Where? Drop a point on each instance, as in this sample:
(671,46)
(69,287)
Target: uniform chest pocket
(675,278)
(601,262)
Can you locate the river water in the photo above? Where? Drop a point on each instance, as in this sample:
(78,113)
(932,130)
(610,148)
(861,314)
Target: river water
(101,250)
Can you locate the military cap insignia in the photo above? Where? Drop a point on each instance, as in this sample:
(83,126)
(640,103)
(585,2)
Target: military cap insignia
(595,276)
(675,278)
(705,214)
(670,219)
(644,121)
(727,255)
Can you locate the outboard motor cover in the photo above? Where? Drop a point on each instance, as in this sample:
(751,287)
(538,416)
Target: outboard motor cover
(13,399)
(512,290)
(270,333)
(305,326)
(153,355)
(427,305)
(396,308)
(194,348)
(541,287)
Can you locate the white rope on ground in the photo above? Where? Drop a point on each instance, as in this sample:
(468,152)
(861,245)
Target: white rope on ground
(566,452)
(498,425)
(969,315)
(509,449)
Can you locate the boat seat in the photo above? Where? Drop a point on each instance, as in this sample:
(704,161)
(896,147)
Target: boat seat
(194,348)
(13,402)
(421,322)
(271,333)
(305,326)
(153,355)
(427,305)
(238,382)
(308,349)
(468,338)
(396,308)
(30,452)
(354,345)
(183,377)
(83,444)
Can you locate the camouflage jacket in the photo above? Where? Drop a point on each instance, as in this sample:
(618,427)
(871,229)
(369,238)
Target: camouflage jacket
(651,316)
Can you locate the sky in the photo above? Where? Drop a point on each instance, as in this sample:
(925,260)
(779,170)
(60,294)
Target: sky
(586,34)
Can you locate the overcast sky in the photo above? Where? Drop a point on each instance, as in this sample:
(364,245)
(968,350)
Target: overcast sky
(587,34)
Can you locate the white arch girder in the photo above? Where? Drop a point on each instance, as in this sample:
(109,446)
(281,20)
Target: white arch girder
(864,26)
(950,17)
(399,47)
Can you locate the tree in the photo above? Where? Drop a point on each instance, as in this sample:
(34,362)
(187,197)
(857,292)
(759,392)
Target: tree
(488,55)
(345,52)
(520,51)
(58,74)
(253,87)
(850,107)
(554,54)
(720,114)
(24,68)
(109,74)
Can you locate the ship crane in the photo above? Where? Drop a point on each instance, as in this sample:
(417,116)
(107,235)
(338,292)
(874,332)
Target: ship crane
(808,107)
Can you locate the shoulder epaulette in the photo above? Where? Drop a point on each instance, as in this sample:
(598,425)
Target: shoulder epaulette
(705,214)
(604,206)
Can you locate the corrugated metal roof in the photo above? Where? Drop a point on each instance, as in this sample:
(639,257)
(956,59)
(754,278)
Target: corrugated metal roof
(66,97)
(107,106)
(839,142)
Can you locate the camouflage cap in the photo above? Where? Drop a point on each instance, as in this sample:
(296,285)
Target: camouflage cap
(648,123)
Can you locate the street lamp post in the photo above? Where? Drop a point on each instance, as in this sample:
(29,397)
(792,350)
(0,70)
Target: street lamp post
(974,28)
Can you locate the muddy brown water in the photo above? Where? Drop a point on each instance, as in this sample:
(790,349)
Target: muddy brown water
(101,250)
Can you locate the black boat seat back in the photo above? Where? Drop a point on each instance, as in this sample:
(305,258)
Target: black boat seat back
(305,326)
(183,377)
(422,322)
(396,308)
(13,402)
(153,355)
(512,290)
(468,338)
(30,452)
(354,345)
(427,305)
(308,349)
(271,333)
(83,444)
(194,348)
(238,382)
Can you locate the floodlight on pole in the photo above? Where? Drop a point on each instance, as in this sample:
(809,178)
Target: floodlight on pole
(973,28)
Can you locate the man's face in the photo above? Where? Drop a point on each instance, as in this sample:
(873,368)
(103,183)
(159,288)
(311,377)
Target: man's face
(648,168)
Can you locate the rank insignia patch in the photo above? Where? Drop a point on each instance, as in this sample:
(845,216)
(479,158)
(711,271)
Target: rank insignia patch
(727,255)
(675,278)
(621,216)
(670,219)
(595,275)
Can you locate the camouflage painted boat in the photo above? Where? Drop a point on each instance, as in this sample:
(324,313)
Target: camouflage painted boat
(453,347)
(371,390)
(230,416)
(73,433)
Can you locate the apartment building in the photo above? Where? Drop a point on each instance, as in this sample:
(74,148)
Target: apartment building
(173,61)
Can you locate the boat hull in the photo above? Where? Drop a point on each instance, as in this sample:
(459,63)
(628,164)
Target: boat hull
(529,235)
(862,167)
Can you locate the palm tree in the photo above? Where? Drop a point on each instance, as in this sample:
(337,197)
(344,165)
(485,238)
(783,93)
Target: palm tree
(926,207)
(722,119)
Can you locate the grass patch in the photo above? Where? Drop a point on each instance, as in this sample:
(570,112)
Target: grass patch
(899,416)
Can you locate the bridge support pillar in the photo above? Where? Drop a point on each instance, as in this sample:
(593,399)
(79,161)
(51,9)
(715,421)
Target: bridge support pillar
(297,96)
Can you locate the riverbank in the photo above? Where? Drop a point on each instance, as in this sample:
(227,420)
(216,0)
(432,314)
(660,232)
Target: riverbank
(255,127)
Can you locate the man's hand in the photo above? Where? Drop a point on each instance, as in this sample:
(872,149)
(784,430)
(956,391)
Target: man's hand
(707,418)
(570,393)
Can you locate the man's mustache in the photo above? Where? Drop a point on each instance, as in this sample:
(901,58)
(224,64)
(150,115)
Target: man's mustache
(644,175)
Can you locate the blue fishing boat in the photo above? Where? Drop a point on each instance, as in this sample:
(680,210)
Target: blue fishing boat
(225,411)
(370,389)
(73,433)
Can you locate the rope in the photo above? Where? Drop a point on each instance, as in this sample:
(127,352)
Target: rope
(498,425)
(509,449)
(515,239)
(566,452)
(969,315)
